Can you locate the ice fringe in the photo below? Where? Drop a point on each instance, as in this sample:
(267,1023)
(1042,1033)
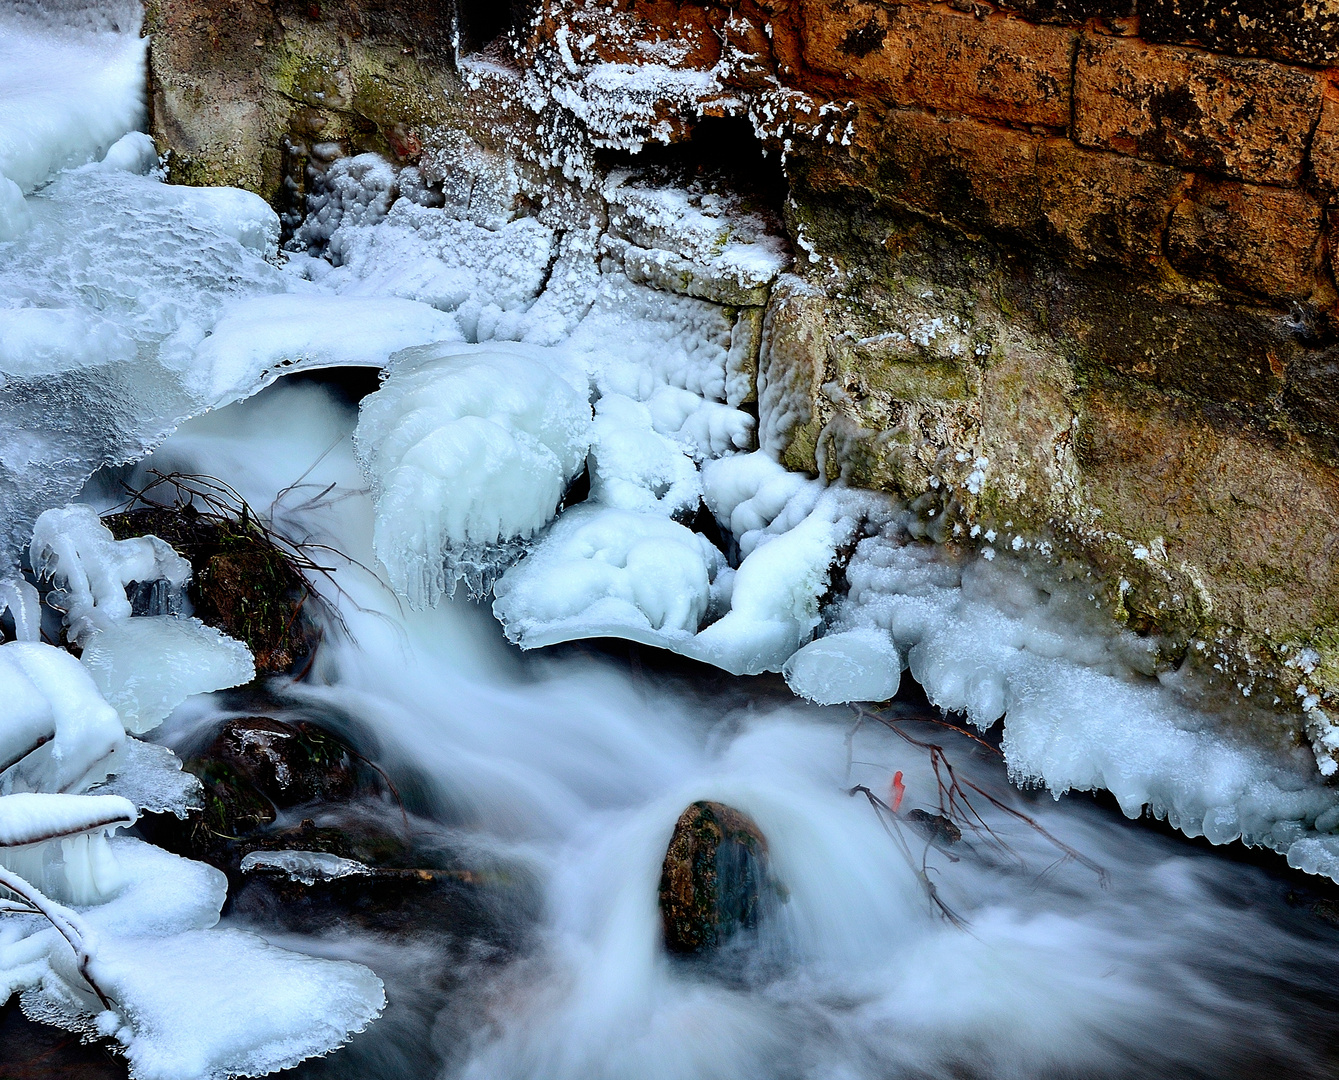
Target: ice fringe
(91,568)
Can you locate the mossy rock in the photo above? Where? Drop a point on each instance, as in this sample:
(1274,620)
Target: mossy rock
(242,582)
(713,879)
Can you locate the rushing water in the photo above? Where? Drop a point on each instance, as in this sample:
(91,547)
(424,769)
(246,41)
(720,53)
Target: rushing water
(1061,940)
(569,771)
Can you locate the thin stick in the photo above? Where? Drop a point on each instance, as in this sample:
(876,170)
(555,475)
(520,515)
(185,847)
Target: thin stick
(65,921)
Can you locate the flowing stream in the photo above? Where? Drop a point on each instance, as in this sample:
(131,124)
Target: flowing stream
(566,773)
(1054,939)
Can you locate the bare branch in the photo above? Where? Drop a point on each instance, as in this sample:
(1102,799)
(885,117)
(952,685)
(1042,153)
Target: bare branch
(66,922)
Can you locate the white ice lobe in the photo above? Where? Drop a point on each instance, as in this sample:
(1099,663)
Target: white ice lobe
(57,734)
(606,572)
(91,568)
(854,665)
(467,448)
(34,818)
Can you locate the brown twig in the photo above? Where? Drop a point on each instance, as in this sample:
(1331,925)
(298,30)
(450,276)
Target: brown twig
(955,803)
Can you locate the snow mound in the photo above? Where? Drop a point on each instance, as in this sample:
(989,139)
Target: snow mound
(49,123)
(466,448)
(33,818)
(145,667)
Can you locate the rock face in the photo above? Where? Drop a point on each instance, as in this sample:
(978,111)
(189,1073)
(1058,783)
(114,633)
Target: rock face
(713,879)
(1065,266)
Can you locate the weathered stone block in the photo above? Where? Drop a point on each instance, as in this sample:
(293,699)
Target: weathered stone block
(1247,119)
(1251,524)
(1107,207)
(1325,142)
(963,170)
(932,55)
(1304,31)
(1252,239)
(1069,10)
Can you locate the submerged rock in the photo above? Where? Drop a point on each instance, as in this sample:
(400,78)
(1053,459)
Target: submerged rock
(713,879)
(935,828)
(255,768)
(287,763)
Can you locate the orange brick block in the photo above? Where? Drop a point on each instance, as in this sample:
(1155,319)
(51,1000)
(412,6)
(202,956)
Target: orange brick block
(998,67)
(1246,119)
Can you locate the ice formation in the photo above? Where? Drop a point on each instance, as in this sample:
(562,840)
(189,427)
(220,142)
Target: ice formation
(124,960)
(466,450)
(57,734)
(606,572)
(48,123)
(852,665)
(307,867)
(188,658)
(155,946)
(90,568)
(256,340)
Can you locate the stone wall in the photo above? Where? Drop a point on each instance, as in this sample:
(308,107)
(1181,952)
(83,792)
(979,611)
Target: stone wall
(1064,266)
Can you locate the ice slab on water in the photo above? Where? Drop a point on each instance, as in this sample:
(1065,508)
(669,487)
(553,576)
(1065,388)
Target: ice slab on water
(257,340)
(466,448)
(855,665)
(267,1009)
(67,93)
(307,867)
(188,1002)
(146,666)
(152,778)
(103,300)
(90,568)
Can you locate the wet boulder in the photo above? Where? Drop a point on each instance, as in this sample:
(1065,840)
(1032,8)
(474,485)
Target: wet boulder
(287,763)
(714,879)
